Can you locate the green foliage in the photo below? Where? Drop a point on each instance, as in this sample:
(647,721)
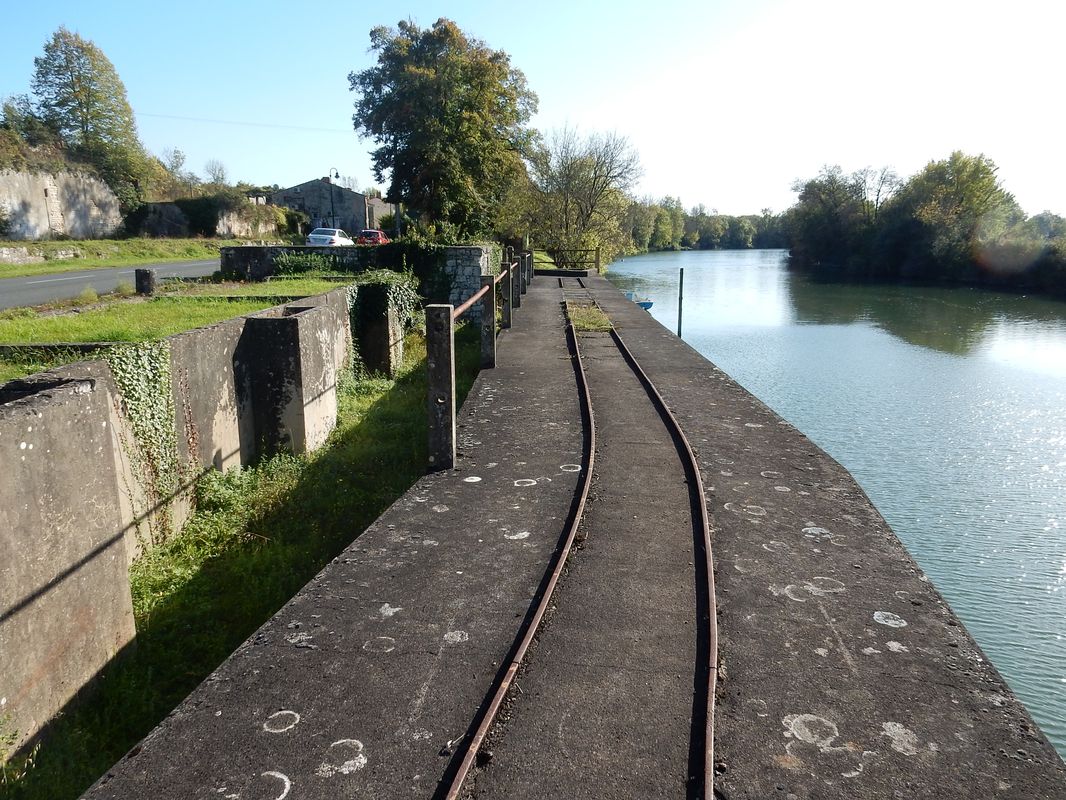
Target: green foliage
(449,117)
(952,222)
(142,375)
(288,263)
(587,317)
(402,293)
(577,192)
(81,98)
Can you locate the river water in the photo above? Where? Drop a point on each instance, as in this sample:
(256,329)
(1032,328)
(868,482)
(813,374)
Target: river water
(947,405)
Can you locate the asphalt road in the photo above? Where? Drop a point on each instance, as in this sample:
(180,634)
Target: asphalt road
(37,289)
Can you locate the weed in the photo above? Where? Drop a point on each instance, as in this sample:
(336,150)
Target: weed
(87,296)
(587,317)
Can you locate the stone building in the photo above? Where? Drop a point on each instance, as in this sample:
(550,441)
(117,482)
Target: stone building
(328,205)
(376,208)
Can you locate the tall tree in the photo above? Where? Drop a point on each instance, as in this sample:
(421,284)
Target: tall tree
(80,95)
(579,188)
(449,116)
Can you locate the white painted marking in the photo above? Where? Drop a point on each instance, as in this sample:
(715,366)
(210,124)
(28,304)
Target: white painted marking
(773,546)
(380,644)
(286,784)
(870,651)
(525,482)
(387,611)
(822,651)
(472,479)
(889,619)
(896,647)
(515,536)
(455,637)
(901,739)
(282,721)
(570,468)
(782,489)
(354,764)
(440,509)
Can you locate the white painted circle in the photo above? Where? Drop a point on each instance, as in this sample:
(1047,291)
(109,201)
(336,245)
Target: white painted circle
(515,536)
(570,468)
(889,619)
(380,644)
(281,721)
(525,482)
(454,637)
(472,479)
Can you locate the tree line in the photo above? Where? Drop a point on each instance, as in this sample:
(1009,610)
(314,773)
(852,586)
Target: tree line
(952,222)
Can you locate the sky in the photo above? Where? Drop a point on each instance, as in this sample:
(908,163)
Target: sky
(727,102)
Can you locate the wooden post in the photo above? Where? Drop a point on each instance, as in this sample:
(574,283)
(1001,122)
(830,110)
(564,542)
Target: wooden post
(522,272)
(680,298)
(597,259)
(440,359)
(507,298)
(516,286)
(144,281)
(488,324)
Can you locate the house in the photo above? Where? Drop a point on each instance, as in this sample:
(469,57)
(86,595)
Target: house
(328,205)
(376,208)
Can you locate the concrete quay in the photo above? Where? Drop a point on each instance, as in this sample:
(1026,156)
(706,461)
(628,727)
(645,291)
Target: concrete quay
(842,672)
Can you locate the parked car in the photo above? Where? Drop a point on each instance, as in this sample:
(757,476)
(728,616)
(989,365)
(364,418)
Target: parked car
(371,236)
(328,237)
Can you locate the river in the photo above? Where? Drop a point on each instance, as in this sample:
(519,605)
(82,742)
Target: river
(948,405)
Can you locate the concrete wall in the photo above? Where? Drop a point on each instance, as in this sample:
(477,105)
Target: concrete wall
(43,206)
(65,608)
(72,499)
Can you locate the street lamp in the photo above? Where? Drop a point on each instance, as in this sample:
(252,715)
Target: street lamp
(333,173)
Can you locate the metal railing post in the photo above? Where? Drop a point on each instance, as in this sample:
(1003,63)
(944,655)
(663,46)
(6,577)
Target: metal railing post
(440,360)
(488,323)
(508,295)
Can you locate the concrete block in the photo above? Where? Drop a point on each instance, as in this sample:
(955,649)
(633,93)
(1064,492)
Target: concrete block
(65,607)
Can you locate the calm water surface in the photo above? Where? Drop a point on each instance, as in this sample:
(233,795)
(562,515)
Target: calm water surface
(947,405)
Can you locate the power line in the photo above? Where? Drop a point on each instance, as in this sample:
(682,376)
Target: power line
(244,124)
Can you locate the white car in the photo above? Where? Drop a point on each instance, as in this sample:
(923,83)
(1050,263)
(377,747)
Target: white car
(328,237)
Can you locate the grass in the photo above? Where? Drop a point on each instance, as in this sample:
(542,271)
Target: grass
(121,321)
(587,317)
(288,287)
(102,253)
(271,527)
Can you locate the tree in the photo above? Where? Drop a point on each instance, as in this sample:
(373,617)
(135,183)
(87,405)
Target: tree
(216,172)
(80,95)
(449,117)
(579,189)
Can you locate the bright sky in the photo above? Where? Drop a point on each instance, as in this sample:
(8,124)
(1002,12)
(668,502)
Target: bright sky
(727,102)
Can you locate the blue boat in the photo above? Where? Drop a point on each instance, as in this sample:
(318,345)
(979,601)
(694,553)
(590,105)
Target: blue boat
(645,304)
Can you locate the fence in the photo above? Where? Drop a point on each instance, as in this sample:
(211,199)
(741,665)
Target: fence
(515,277)
(576,258)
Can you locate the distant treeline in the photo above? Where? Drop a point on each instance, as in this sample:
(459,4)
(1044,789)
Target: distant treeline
(665,225)
(952,222)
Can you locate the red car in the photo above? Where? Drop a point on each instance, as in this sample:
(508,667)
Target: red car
(370,236)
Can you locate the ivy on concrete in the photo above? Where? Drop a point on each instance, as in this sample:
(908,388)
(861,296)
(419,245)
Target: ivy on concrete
(142,373)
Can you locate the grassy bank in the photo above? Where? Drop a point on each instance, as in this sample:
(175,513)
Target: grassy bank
(271,527)
(101,253)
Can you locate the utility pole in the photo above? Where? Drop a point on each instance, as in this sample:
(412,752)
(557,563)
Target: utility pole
(333,172)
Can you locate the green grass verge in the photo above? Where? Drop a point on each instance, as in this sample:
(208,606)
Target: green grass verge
(271,527)
(102,253)
(277,288)
(121,321)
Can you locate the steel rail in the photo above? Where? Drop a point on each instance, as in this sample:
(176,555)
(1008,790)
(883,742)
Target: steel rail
(712,610)
(532,628)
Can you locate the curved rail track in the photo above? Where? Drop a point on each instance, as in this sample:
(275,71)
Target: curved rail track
(466,779)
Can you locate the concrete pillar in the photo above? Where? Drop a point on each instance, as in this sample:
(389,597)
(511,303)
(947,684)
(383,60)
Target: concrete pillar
(144,280)
(380,331)
(488,324)
(440,358)
(508,295)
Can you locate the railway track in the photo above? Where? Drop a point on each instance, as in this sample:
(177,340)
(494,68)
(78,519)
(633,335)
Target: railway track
(609,691)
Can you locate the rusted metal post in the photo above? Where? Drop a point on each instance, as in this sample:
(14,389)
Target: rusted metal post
(488,323)
(440,358)
(507,293)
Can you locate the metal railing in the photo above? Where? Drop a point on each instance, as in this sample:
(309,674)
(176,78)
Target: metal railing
(515,276)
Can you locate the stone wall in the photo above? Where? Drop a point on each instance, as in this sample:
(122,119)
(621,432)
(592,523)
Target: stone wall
(464,267)
(44,206)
